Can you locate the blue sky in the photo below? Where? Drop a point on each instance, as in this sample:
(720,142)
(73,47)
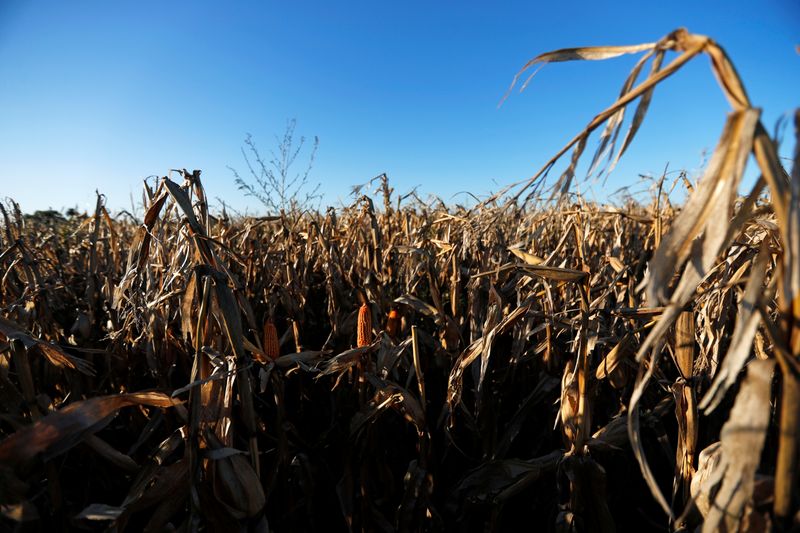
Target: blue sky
(99,95)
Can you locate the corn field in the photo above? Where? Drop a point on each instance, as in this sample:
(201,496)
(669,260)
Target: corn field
(535,361)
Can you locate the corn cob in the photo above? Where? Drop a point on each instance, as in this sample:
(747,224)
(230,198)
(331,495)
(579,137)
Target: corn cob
(364,332)
(271,346)
(393,323)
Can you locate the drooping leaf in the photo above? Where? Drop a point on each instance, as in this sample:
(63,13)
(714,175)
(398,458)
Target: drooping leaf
(61,430)
(747,320)
(742,440)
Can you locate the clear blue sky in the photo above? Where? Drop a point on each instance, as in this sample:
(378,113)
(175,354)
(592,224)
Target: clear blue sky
(98,95)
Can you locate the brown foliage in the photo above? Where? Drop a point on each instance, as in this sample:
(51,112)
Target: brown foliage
(541,362)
